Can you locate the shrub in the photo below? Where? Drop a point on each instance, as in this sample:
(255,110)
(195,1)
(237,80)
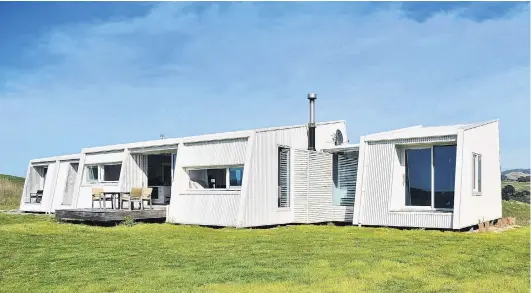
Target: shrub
(507,192)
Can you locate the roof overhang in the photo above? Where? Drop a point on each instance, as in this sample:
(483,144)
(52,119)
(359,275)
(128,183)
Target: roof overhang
(346,147)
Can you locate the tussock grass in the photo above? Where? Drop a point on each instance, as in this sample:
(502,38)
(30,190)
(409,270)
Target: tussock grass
(41,255)
(10,191)
(517,209)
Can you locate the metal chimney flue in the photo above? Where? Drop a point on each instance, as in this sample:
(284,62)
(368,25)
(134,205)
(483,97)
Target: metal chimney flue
(311,126)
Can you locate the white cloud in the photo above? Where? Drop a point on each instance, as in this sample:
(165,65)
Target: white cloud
(246,65)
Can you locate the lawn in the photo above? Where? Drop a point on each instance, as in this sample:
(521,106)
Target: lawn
(41,255)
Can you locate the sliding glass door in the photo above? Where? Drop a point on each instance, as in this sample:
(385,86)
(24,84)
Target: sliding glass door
(430,177)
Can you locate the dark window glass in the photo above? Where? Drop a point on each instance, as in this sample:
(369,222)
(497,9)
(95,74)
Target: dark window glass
(444,175)
(418,177)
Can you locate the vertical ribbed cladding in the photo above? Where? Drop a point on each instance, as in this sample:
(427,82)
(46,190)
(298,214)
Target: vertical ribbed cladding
(311,126)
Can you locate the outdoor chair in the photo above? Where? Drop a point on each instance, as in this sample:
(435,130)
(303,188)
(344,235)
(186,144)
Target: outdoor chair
(37,196)
(146,196)
(134,196)
(97,194)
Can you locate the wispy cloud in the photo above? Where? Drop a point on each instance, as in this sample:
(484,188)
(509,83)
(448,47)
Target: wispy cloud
(188,69)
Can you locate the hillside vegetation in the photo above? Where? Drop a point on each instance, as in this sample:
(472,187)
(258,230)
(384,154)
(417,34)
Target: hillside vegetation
(10,191)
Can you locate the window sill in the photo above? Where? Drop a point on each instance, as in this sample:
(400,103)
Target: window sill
(286,209)
(90,184)
(424,211)
(212,190)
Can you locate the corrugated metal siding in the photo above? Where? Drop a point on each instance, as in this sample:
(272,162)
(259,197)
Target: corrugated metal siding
(312,186)
(377,188)
(261,206)
(213,153)
(70,183)
(108,157)
(134,172)
(320,188)
(207,208)
(300,186)
(60,184)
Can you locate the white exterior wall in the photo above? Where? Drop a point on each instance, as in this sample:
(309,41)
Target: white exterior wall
(49,187)
(60,185)
(259,193)
(312,188)
(213,153)
(482,140)
(376,192)
(206,206)
(83,194)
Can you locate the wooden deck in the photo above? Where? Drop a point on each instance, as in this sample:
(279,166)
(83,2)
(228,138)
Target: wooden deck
(110,215)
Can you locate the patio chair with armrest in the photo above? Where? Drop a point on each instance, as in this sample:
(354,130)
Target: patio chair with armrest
(97,194)
(37,196)
(146,196)
(134,196)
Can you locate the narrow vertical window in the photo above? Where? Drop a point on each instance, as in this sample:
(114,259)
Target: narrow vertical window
(476,165)
(283,177)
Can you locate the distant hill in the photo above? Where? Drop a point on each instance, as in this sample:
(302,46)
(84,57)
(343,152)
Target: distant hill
(10,191)
(526,171)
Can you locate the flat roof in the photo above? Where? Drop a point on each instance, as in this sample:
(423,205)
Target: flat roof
(198,138)
(421,131)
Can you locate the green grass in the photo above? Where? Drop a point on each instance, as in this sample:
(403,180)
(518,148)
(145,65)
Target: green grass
(41,255)
(517,209)
(517,185)
(10,191)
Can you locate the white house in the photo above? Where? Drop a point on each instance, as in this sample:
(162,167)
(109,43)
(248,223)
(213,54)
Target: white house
(433,177)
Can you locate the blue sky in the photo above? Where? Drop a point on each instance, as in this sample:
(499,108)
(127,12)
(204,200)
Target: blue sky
(75,75)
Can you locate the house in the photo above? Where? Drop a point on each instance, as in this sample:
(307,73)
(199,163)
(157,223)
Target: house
(433,177)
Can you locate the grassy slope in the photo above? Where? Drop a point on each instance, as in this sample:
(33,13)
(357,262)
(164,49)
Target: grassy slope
(517,185)
(40,255)
(517,209)
(10,191)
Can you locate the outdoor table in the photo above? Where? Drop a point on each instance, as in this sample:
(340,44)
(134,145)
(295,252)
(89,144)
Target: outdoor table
(116,195)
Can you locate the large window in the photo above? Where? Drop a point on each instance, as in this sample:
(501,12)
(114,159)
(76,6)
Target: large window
(103,173)
(283,177)
(430,177)
(476,184)
(218,178)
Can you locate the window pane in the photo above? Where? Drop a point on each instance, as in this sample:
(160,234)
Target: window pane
(479,173)
(111,172)
(474,171)
(198,179)
(236,175)
(217,178)
(92,173)
(418,177)
(444,173)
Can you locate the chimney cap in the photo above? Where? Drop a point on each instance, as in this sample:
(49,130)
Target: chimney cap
(312,96)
